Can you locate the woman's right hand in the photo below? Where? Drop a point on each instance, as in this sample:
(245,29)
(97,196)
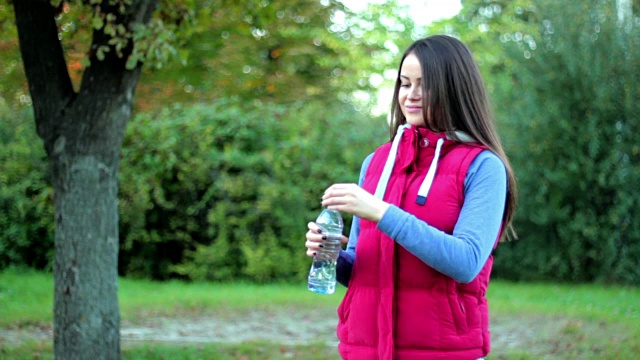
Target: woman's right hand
(315,239)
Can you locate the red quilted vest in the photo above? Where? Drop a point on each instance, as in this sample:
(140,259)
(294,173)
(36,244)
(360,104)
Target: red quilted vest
(396,306)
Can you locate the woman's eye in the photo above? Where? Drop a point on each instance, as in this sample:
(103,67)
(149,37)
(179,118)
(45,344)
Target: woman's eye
(405,85)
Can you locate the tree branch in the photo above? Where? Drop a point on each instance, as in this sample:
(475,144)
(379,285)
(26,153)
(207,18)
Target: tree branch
(43,58)
(112,69)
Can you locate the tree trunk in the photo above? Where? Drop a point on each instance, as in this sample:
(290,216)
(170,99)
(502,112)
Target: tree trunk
(82,134)
(85,162)
(86,314)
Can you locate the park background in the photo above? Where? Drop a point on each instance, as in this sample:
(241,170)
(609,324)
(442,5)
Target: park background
(247,114)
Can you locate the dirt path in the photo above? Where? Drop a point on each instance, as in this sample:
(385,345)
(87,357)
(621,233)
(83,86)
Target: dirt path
(279,326)
(536,335)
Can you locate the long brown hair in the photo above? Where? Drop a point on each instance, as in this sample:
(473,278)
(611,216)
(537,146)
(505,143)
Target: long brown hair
(455,98)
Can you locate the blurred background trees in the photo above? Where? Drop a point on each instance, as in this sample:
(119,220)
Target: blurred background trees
(228,152)
(564,79)
(280,51)
(575,127)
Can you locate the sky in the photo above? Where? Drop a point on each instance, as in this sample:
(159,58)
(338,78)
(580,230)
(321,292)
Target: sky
(425,11)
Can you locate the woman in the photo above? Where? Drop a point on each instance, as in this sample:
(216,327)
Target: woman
(428,210)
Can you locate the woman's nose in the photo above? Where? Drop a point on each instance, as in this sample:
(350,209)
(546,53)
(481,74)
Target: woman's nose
(415,93)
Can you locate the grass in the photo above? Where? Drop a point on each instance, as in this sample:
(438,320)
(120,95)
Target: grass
(174,296)
(245,351)
(568,321)
(585,301)
(27,297)
(529,320)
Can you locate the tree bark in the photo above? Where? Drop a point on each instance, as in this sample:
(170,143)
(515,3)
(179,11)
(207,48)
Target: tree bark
(82,134)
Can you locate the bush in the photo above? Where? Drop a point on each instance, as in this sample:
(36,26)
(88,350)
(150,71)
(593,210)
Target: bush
(207,192)
(26,202)
(574,130)
(224,191)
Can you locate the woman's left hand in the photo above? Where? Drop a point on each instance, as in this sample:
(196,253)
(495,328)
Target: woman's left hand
(354,200)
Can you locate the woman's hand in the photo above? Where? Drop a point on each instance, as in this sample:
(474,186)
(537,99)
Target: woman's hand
(315,239)
(353,199)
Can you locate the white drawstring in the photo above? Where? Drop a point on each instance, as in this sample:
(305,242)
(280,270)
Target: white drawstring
(431,173)
(428,180)
(391,160)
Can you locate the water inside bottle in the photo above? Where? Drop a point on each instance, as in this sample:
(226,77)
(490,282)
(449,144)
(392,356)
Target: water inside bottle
(322,277)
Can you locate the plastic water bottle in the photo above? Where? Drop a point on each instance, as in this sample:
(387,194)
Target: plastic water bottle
(322,276)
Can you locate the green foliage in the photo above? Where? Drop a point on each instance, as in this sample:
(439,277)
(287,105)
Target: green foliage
(224,191)
(486,26)
(573,126)
(196,212)
(12,89)
(282,51)
(26,203)
(563,77)
(207,192)
(120,33)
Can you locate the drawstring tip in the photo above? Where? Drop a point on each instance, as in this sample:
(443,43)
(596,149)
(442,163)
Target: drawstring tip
(420,200)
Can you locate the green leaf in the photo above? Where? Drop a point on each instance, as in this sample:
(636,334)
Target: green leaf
(100,53)
(132,62)
(97,22)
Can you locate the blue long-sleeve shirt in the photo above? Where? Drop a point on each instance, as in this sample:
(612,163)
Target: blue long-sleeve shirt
(460,255)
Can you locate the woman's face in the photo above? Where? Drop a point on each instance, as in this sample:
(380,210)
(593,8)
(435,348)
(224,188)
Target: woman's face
(410,93)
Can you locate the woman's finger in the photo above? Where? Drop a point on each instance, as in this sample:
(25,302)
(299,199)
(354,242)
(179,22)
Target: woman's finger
(311,236)
(337,190)
(354,200)
(313,227)
(312,247)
